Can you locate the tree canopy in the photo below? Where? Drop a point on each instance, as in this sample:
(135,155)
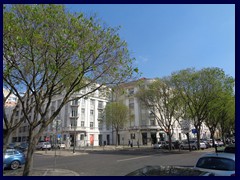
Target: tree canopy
(163,102)
(48,51)
(117,115)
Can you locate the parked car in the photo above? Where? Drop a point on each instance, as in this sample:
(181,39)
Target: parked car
(159,145)
(61,145)
(229,149)
(220,164)
(219,142)
(210,141)
(193,145)
(177,144)
(11,145)
(13,159)
(44,145)
(168,171)
(166,145)
(23,146)
(206,143)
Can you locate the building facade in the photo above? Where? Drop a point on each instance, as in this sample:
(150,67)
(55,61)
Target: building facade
(79,121)
(82,121)
(144,128)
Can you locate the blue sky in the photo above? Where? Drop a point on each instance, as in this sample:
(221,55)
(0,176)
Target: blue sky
(165,38)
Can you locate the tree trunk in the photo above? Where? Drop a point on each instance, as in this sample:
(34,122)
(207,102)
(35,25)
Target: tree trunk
(170,141)
(116,137)
(6,135)
(198,136)
(31,148)
(188,142)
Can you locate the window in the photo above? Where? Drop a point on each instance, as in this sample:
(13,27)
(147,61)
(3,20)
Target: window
(75,102)
(92,102)
(83,111)
(82,123)
(73,123)
(74,112)
(82,137)
(131,103)
(131,91)
(100,104)
(91,112)
(152,122)
(91,125)
(100,114)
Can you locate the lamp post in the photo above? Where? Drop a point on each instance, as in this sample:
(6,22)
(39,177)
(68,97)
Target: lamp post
(56,124)
(74,140)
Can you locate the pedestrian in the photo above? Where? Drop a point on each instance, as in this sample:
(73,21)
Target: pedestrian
(129,142)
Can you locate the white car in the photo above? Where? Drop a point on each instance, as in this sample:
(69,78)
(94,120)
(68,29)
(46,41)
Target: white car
(219,164)
(44,145)
(61,146)
(159,145)
(193,145)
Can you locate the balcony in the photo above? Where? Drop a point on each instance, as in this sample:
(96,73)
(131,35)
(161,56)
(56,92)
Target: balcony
(74,115)
(72,128)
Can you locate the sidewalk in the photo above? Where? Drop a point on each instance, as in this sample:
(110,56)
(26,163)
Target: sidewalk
(42,172)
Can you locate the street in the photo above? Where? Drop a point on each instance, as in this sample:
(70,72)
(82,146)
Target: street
(118,162)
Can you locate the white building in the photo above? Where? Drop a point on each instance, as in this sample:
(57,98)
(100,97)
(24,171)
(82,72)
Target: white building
(144,128)
(84,120)
(79,118)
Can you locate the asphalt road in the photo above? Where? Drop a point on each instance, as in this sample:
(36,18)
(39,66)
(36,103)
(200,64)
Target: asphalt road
(116,163)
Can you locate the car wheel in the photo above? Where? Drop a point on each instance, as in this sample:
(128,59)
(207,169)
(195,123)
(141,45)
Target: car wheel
(194,148)
(15,165)
(181,147)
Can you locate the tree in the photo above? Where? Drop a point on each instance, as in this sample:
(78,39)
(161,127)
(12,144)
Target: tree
(226,123)
(221,114)
(117,115)
(47,52)
(199,90)
(162,100)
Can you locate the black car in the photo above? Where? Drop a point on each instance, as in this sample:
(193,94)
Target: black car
(166,145)
(168,171)
(230,149)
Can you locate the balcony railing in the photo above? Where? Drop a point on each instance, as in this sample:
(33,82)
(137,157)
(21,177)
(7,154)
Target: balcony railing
(74,115)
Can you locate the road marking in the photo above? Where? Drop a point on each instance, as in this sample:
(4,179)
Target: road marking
(132,158)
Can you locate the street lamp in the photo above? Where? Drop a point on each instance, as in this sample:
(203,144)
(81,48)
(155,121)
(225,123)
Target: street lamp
(56,124)
(74,140)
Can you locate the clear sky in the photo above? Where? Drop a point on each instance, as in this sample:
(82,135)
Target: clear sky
(165,38)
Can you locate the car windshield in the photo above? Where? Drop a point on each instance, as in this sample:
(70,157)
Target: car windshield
(216,163)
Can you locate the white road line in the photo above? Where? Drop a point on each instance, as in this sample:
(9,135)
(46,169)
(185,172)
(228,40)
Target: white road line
(132,158)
